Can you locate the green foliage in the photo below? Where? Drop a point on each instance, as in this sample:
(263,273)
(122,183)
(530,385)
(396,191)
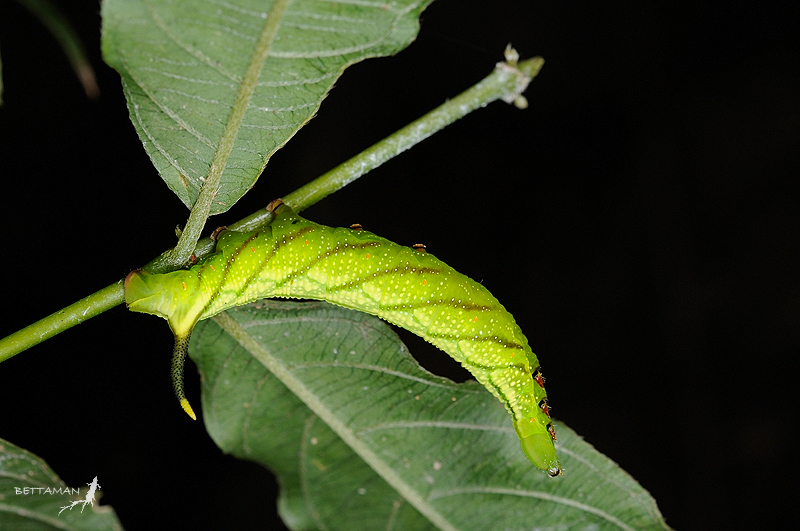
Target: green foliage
(361,437)
(215,94)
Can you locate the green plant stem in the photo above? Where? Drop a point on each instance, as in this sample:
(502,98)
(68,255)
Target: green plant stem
(50,16)
(65,318)
(506,82)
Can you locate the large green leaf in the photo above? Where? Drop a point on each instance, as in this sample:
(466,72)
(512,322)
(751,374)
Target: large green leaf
(33,497)
(217,86)
(361,437)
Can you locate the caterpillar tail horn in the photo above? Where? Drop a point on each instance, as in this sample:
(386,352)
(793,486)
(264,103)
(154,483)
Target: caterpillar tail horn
(178,360)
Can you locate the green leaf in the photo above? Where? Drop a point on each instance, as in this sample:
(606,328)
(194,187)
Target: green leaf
(215,88)
(361,437)
(28,499)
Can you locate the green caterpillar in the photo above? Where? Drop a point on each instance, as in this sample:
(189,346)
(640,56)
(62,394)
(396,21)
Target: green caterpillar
(294,257)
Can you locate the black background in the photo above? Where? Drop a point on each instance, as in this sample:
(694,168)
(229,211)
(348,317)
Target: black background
(639,220)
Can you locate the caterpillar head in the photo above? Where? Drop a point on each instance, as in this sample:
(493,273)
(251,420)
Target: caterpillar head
(165,296)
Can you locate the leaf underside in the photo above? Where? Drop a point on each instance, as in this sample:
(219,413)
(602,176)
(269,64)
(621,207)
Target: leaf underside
(227,83)
(422,452)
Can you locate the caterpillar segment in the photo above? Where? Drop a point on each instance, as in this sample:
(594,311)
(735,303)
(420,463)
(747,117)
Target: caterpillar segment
(351,267)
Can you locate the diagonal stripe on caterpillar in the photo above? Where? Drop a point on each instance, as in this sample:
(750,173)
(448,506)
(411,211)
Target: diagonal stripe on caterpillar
(410,288)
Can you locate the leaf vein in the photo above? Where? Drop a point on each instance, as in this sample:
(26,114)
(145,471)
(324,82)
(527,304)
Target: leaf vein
(434,495)
(191,50)
(435,424)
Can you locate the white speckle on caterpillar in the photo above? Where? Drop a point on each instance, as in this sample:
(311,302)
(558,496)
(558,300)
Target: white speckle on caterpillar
(297,258)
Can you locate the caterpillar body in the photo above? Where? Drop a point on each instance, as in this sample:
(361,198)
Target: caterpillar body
(297,258)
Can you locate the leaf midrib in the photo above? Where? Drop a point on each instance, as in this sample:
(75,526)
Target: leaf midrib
(208,192)
(246,89)
(276,367)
